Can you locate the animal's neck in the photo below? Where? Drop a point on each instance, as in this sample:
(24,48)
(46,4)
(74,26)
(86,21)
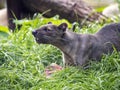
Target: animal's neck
(67,43)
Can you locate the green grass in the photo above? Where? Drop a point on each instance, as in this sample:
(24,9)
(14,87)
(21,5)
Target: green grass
(22,63)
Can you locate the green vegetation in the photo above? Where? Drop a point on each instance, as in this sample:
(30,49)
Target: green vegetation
(22,63)
(118,1)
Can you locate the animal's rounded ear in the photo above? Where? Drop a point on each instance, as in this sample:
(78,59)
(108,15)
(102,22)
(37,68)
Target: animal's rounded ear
(63,26)
(49,22)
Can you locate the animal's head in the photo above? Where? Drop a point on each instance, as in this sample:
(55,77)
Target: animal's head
(49,34)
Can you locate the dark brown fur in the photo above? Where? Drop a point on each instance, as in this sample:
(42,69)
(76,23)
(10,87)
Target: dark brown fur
(78,49)
(17,9)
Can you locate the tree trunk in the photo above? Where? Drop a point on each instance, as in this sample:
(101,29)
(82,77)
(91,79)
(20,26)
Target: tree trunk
(72,10)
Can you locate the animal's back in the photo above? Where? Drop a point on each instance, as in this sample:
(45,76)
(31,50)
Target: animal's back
(108,29)
(109,36)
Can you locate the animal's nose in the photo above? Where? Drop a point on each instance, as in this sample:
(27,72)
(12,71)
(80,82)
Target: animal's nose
(34,32)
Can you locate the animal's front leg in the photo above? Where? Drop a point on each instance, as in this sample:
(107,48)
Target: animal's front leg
(67,60)
(82,57)
(82,61)
(84,52)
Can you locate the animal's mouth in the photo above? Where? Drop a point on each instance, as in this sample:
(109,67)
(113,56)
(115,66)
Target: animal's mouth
(37,39)
(41,40)
(34,33)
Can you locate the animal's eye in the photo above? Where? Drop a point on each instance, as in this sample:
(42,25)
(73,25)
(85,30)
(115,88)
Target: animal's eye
(47,29)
